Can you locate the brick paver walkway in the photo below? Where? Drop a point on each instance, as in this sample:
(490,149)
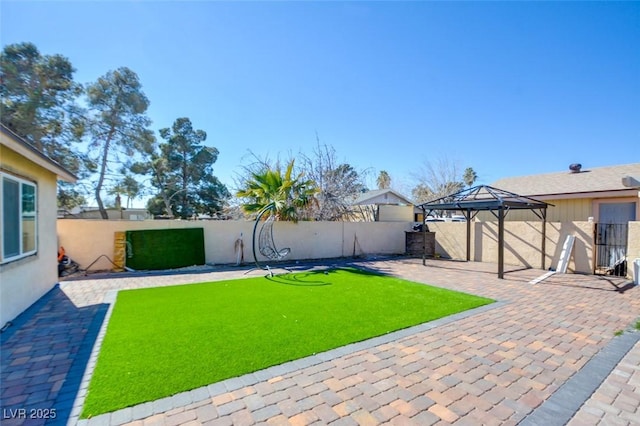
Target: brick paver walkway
(494,367)
(617,400)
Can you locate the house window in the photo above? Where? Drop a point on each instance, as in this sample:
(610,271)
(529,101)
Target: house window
(19,218)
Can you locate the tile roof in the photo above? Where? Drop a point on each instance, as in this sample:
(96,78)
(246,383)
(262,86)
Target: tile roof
(597,179)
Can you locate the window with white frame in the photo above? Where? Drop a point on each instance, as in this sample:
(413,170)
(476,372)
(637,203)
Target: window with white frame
(19,217)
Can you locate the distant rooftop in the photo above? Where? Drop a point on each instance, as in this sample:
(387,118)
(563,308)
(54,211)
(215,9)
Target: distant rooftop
(596,179)
(382,196)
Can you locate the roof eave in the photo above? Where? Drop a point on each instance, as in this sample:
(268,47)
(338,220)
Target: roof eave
(591,194)
(25,149)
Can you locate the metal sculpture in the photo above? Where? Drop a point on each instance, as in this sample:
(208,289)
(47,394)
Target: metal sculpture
(265,242)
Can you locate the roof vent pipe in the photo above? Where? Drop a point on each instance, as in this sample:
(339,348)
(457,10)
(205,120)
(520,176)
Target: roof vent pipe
(575,167)
(631,182)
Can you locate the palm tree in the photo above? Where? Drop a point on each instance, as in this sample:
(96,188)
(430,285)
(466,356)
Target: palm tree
(273,189)
(131,188)
(127,186)
(469,176)
(384,180)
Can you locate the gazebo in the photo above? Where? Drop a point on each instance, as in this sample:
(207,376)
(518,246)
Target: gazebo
(486,198)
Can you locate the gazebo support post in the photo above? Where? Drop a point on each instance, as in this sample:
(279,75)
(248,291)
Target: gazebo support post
(501,242)
(424,237)
(468,217)
(543,245)
(544,238)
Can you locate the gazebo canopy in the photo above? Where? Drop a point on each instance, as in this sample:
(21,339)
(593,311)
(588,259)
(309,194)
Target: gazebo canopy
(483,197)
(498,202)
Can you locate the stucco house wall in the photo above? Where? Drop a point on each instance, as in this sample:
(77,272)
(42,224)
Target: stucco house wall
(522,243)
(572,209)
(391,213)
(633,249)
(23,281)
(576,196)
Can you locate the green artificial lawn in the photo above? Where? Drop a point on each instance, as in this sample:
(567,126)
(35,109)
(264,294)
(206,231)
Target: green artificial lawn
(165,340)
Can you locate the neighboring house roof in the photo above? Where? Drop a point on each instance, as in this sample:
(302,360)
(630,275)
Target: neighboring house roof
(28,151)
(587,182)
(382,196)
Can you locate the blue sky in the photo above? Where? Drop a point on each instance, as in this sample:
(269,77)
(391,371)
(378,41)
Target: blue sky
(508,88)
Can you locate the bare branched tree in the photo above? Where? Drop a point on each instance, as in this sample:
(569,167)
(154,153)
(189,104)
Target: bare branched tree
(252,164)
(437,179)
(339,184)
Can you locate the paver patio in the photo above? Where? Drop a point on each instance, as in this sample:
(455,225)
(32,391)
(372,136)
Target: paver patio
(497,366)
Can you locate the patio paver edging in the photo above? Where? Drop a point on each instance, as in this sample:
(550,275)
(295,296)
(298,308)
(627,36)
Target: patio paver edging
(147,409)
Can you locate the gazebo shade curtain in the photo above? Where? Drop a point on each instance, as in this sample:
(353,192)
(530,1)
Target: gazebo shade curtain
(486,198)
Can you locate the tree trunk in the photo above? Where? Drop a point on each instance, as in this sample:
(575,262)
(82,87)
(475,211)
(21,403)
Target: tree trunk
(103,170)
(163,192)
(167,205)
(32,106)
(185,178)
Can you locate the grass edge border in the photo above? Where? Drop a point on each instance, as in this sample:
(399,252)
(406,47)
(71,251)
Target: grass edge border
(78,404)
(147,409)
